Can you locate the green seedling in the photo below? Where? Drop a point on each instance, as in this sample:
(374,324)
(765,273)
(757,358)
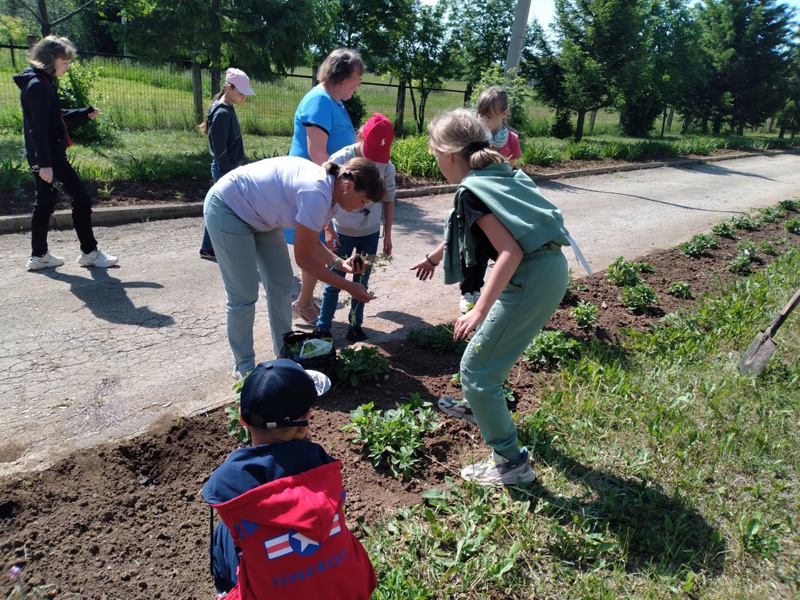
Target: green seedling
(767,248)
(790,205)
(585,315)
(680,289)
(623,273)
(792,225)
(740,264)
(369,262)
(698,245)
(572,287)
(438,338)
(747,248)
(552,349)
(356,365)
(745,222)
(724,229)
(639,298)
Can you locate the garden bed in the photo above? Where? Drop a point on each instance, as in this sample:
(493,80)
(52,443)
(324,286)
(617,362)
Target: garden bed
(127,520)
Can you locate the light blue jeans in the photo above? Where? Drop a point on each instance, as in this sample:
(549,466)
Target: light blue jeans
(524,306)
(364,244)
(246,256)
(206,243)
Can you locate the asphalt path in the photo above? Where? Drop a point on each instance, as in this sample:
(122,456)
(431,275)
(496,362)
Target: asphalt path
(92,355)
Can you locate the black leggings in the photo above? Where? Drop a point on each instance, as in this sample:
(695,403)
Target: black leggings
(472,277)
(43,207)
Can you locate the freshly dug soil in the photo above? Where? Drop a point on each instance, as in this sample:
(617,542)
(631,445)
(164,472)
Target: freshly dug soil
(127,520)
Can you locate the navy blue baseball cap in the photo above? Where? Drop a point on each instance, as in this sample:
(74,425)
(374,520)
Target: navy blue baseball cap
(278,392)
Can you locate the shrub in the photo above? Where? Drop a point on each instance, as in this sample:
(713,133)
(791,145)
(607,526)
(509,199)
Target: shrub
(623,273)
(584,151)
(639,297)
(792,225)
(76,90)
(698,245)
(365,363)
(680,289)
(438,338)
(410,156)
(740,264)
(562,125)
(767,248)
(585,315)
(724,229)
(551,348)
(355,110)
(518,93)
(540,153)
(394,438)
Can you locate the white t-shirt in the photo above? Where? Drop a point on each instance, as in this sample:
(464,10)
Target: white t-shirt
(359,223)
(277,193)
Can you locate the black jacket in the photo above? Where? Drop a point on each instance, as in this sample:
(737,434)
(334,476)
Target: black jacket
(224,137)
(43,119)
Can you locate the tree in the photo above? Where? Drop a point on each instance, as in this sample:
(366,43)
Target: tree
(47,19)
(749,44)
(423,56)
(596,40)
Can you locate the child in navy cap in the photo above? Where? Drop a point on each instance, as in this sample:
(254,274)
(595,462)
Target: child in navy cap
(283,533)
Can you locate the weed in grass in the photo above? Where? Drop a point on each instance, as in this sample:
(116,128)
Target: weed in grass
(438,338)
(623,273)
(680,289)
(740,264)
(724,229)
(639,297)
(698,245)
(792,225)
(552,349)
(353,365)
(585,315)
(767,248)
(745,222)
(393,439)
(790,205)
(758,537)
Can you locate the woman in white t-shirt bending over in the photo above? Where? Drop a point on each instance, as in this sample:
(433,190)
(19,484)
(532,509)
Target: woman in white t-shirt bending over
(245,213)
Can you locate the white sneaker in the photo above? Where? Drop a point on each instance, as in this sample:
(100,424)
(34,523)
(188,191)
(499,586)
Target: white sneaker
(498,470)
(465,303)
(97,258)
(43,262)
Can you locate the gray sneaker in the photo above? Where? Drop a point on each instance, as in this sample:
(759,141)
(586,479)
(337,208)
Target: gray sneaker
(458,408)
(498,470)
(35,263)
(97,258)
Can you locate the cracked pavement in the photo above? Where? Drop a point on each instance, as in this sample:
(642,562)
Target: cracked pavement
(90,355)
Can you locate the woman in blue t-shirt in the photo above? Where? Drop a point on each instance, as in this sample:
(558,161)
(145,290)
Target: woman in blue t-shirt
(322,126)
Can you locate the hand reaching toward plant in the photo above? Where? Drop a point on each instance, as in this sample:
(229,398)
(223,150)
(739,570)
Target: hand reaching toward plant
(467,323)
(359,292)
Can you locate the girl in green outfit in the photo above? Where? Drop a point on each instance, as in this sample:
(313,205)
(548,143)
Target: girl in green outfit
(500,212)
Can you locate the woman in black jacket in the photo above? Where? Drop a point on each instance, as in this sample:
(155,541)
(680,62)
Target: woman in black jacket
(46,142)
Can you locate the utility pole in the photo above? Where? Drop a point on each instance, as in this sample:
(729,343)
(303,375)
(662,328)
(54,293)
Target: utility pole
(517,37)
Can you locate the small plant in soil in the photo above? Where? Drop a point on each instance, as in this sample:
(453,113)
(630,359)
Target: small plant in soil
(740,264)
(368,261)
(698,245)
(782,240)
(355,365)
(724,229)
(745,222)
(572,287)
(790,205)
(622,273)
(639,298)
(552,349)
(585,315)
(393,439)
(39,592)
(680,289)
(792,225)
(508,387)
(767,248)
(235,427)
(643,267)
(438,338)
(104,193)
(772,214)
(747,248)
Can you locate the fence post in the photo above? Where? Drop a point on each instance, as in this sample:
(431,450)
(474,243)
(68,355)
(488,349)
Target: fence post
(32,39)
(197,90)
(314,80)
(467,94)
(592,119)
(13,58)
(400,108)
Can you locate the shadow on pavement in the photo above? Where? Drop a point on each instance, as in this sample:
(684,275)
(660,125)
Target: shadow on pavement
(106,297)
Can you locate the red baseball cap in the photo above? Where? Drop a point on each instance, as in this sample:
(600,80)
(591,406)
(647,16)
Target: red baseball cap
(377,136)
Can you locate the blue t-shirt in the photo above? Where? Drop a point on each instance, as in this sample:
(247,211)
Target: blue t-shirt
(317,108)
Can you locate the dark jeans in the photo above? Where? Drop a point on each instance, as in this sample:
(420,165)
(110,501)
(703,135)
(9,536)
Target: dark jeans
(472,277)
(206,243)
(45,203)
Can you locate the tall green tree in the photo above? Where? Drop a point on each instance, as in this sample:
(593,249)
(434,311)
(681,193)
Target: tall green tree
(749,44)
(581,70)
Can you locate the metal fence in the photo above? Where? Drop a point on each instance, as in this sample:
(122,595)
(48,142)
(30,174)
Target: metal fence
(142,96)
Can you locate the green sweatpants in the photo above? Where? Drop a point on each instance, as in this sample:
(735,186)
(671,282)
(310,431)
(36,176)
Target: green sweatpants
(524,306)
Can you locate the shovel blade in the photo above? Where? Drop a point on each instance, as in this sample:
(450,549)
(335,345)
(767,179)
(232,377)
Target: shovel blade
(757,355)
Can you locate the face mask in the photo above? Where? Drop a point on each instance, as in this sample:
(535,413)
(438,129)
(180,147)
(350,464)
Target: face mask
(500,138)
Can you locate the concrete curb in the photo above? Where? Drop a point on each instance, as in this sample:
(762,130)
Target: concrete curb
(62,219)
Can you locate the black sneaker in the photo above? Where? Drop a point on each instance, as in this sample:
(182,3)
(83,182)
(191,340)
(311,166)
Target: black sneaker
(356,334)
(208,254)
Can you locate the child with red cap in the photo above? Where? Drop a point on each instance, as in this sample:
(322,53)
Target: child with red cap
(283,533)
(360,230)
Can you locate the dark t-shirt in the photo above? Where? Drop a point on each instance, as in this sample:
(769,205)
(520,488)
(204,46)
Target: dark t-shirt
(474,209)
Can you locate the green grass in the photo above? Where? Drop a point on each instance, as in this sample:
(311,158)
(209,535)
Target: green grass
(663,474)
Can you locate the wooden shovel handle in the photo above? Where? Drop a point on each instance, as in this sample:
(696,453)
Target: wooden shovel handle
(781,316)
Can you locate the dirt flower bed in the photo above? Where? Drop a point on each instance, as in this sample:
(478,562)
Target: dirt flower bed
(127,520)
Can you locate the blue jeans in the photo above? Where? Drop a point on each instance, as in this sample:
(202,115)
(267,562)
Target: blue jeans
(365,244)
(206,243)
(246,256)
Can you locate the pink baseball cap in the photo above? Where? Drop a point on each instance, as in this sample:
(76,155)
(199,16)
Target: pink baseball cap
(377,136)
(238,79)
